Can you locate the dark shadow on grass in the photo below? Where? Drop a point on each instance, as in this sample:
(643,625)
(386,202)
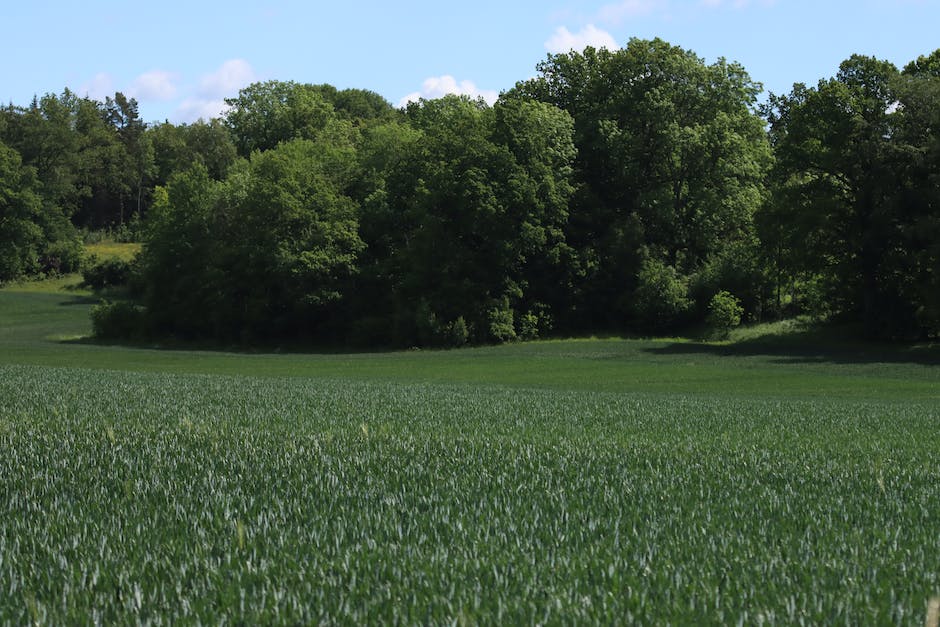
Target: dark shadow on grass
(81,300)
(817,345)
(202,346)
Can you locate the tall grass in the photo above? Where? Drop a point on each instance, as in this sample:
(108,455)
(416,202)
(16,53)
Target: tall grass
(180,498)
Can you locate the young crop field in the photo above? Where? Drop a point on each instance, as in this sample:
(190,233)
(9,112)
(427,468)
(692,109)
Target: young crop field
(590,481)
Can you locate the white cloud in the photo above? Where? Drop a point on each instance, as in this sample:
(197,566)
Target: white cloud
(153,85)
(193,109)
(438,86)
(227,80)
(209,99)
(564,40)
(101,86)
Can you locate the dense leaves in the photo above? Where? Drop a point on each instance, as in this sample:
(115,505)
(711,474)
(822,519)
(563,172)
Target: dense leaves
(20,235)
(615,191)
(259,255)
(266,114)
(34,236)
(671,163)
(855,203)
(469,223)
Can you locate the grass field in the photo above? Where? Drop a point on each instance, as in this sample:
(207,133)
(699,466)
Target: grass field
(785,477)
(109,249)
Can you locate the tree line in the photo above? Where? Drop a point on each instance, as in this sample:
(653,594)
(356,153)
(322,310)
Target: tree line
(638,190)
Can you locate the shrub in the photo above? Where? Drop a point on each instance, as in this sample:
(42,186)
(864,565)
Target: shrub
(740,269)
(118,320)
(62,256)
(457,332)
(661,299)
(724,313)
(431,330)
(534,323)
(528,326)
(500,320)
(111,272)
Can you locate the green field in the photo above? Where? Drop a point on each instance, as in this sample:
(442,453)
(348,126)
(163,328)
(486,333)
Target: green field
(124,251)
(781,478)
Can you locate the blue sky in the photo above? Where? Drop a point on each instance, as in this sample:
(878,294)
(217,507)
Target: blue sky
(181,59)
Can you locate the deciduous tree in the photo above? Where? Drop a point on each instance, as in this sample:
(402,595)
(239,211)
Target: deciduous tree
(671,161)
(836,208)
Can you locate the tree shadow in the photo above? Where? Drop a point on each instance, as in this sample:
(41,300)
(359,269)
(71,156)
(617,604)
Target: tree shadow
(81,300)
(810,346)
(170,344)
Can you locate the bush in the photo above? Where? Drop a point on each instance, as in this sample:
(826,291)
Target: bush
(724,313)
(62,256)
(110,272)
(661,300)
(534,323)
(127,232)
(118,320)
(528,326)
(739,269)
(500,320)
(16,260)
(458,333)
(432,331)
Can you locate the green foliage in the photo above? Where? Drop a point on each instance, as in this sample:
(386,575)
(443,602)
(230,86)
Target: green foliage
(21,237)
(671,156)
(742,269)
(63,256)
(46,137)
(360,106)
(535,323)
(179,147)
(467,212)
(179,254)
(430,330)
(99,274)
(118,320)
(854,202)
(264,254)
(34,237)
(458,332)
(661,299)
(919,96)
(92,158)
(266,114)
(724,313)
(500,320)
(617,191)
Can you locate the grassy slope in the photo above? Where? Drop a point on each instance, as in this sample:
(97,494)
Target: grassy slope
(40,328)
(780,477)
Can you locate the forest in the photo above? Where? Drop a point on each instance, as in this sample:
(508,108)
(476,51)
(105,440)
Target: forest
(639,191)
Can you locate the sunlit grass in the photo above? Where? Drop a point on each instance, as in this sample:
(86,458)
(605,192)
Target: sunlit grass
(776,328)
(107,249)
(68,284)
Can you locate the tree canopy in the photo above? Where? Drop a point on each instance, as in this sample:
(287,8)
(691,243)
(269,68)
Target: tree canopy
(670,168)
(854,206)
(633,190)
